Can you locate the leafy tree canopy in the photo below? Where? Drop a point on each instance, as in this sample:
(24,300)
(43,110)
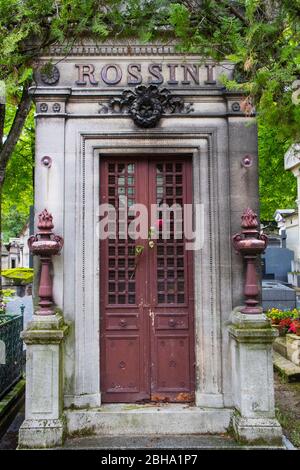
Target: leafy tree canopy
(17,191)
(261,36)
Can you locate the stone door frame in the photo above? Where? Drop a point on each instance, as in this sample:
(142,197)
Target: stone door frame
(212,264)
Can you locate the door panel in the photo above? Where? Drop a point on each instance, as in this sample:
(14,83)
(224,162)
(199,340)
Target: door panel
(146,297)
(123,317)
(171,300)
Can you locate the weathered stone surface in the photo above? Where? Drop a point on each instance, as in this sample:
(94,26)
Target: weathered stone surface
(149,419)
(188,441)
(292,157)
(287,368)
(44,424)
(293,348)
(252,369)
(41,433)
(257,430)
(279,346)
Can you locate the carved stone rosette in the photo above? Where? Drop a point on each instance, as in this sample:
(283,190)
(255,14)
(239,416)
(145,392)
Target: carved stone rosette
(45,244)
(146,105)
(250,243)
(50,74)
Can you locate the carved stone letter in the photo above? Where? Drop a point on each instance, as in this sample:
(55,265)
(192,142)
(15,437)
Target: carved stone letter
(118,74)
(154,70)
(193,71)
(172,70)
(134,74)
(86,70)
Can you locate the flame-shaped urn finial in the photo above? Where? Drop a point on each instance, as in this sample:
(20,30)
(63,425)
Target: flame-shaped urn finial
(249,219)
(45,244)
(45,221)
(250,243)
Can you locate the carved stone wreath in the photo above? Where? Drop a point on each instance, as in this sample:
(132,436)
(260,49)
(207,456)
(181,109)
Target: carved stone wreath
(146,105)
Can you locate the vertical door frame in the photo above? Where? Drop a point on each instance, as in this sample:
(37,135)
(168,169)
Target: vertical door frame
(212,263)
(148,334)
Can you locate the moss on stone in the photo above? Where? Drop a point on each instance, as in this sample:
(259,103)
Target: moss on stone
(84,432)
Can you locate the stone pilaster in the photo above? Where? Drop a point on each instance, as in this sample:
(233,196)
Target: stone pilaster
(252,369)
(44,425)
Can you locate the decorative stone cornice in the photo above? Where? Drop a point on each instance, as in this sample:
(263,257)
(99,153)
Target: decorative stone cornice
(115,49)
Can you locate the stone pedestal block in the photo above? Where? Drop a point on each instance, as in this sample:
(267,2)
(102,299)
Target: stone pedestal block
(252,369)
(43,426)
(293,348)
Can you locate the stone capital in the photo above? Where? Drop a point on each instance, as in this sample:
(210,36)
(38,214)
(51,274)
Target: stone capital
(251,328)
(48,329)
(50,93)
(244,320)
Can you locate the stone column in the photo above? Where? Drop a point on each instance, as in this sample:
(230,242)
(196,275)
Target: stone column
(251,337)
(43,426)
(252,376)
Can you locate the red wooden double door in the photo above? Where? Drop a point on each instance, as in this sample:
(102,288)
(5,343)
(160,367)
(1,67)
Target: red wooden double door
(146,286)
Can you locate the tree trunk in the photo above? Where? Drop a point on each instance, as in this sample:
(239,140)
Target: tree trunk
(15,131)
(7,147)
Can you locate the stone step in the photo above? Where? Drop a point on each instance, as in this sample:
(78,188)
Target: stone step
(279,346)
(286,367)
(150,419)
(179,441)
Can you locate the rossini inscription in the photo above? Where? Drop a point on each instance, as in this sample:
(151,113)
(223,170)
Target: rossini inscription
(133,74)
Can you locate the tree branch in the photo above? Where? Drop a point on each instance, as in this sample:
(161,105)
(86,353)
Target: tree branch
(15,131)
(239,15)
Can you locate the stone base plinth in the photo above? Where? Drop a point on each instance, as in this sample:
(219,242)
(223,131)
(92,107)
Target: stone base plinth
(259,431)
(252,378)
(42,433)
(43,426)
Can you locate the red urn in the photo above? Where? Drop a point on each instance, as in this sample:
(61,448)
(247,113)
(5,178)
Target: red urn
(45,244)
(250,243)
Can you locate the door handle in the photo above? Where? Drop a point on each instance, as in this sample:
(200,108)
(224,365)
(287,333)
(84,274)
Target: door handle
(152,316)
(151,233)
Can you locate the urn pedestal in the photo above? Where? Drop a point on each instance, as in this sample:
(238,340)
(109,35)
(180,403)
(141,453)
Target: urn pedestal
(44,425)
(252,376)
(251,336)
(44,336)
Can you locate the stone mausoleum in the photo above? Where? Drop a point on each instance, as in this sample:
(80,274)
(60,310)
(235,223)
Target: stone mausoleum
(144,336)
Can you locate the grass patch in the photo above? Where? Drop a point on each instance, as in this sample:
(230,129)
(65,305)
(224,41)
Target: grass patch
(290,425)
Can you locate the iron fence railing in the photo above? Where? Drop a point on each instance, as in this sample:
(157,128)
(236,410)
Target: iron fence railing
(11,351)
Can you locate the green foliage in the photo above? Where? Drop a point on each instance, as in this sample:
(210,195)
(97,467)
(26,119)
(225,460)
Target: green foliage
(5,296)
(17,191)
(276,314)
(277,187)
(261,36)
(7,293)
(19,274)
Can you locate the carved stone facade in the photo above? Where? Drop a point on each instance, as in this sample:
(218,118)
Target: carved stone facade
(176,105)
